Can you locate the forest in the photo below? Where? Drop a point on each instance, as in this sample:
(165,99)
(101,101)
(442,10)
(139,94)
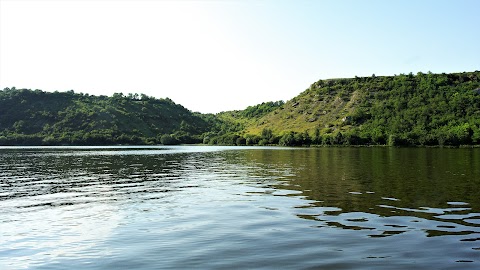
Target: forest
(424,109)
(35,117)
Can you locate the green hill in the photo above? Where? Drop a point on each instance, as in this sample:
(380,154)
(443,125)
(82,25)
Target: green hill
(42,118)
(421,109)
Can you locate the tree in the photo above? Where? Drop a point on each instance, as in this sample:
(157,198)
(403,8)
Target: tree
(241,141)
(168,139)
(267,135)
(288,139)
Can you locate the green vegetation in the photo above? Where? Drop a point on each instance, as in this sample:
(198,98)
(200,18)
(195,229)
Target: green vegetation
(403,110)
(228,128)
(40,118)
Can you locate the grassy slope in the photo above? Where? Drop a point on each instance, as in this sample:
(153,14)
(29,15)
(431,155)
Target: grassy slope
(346,104)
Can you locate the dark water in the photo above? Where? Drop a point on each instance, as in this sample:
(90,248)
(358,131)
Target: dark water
(232,208)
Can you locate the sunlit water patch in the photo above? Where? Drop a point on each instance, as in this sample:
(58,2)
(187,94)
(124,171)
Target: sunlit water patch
(232,207)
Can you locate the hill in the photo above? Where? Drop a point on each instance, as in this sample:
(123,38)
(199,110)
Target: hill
(421,109)
(35,117)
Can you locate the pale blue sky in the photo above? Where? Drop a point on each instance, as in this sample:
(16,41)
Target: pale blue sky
(212,56)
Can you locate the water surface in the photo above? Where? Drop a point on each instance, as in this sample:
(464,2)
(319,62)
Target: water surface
(237,207)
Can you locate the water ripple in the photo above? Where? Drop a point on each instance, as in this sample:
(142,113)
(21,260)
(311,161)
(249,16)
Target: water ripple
(196,207)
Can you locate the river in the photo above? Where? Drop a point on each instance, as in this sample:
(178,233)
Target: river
(208,207)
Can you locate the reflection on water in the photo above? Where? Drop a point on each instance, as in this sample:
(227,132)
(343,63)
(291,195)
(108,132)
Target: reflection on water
(229,207)
(428,183)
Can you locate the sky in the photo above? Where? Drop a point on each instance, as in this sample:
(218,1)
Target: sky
(213,56)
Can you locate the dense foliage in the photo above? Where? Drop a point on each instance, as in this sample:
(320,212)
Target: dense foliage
(421,109)
(40,118)
(261,109)
(228,128)
(425,109)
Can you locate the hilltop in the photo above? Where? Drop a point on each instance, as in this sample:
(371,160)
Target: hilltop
(406,109)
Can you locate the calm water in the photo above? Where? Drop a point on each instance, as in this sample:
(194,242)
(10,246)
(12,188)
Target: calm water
(230,208)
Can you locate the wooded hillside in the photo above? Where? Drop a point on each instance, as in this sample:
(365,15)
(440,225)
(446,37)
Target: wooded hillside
(42,118)
(421,109)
